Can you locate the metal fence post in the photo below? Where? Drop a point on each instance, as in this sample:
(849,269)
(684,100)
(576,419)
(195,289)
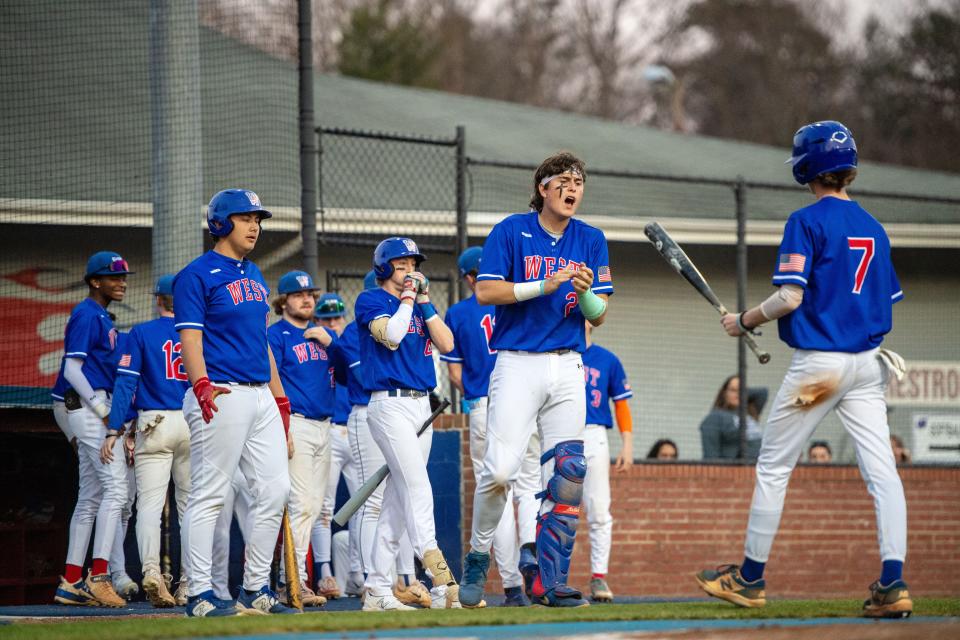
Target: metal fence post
(740,195)
(308,153)
(462,239)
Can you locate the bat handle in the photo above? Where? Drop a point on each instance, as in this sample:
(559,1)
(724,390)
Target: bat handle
(762,355)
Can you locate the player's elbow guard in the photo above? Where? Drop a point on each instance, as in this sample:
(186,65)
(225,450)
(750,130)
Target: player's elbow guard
(378,329)
(784,300)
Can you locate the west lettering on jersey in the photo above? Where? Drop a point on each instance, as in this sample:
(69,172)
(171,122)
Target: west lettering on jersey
(533,265)
(246,290)
(305,369)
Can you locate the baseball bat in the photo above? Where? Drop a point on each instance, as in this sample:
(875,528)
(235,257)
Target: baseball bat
(676,258)
(290,564)
(368,487)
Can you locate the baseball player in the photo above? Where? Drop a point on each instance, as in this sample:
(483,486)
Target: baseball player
(399,327)
(470,363)
(606,382)
(150,375)
(87,374)
(237,411)
(301,352)
(836,289)
(329,313)
(546,271)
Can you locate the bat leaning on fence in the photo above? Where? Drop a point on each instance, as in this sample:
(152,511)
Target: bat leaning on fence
(368,487)
(676,258)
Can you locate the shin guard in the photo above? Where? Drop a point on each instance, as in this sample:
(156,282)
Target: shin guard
(557,528)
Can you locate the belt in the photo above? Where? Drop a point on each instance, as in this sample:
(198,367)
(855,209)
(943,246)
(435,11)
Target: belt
(405,393)
(242,384)
(320,418)
(558,352)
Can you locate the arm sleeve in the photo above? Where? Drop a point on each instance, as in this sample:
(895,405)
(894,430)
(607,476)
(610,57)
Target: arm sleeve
(124,390)
(602,277)
(624,420)
(73,372)
(795,256)
(454,354)
(497,253)
(710,436)
(399,324)
(189,301)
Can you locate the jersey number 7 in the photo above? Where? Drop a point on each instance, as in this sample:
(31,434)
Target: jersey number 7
(865,245)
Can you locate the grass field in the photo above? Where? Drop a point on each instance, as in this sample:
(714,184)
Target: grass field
(147,628)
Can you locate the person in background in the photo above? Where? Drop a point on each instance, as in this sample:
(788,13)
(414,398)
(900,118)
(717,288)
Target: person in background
(663,449)
(900,453)
(720,430)
(819,452)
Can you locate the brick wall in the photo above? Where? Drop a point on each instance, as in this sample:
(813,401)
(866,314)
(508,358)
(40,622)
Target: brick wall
(671,520)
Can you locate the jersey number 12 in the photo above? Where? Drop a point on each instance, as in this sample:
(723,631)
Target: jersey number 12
(865,245)
(174,362)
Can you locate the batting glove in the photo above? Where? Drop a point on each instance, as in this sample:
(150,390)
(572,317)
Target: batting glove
(283,403)
(409,289)
(206,392)
(423,287)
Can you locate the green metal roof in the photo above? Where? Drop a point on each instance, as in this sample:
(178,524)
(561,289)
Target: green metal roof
(75,125)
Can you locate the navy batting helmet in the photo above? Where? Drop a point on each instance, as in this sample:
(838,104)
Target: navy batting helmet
(370,280)
(391,249)
(469,260)
(230,202)
(822,147)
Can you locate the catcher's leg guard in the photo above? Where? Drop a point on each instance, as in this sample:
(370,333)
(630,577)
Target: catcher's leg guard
(557,528)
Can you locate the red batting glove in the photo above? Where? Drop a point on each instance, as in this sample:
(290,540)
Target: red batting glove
(206,393)
(410,289)
(283,403)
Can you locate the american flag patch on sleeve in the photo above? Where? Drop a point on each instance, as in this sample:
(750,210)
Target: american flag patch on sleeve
(792,262)
(125,360)
(603,274)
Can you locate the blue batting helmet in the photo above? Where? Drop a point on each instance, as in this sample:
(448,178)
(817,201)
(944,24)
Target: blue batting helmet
(822,147)
(469,260)
(230,202)
(294,281)
(106,263)
(391,249)
(330,305)
(370,280)
(164,285)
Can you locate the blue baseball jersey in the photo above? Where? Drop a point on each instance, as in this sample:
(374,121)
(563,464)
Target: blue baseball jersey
(341,410)
(519,249)
(349,361)
(306,369)
(411,365)
(150,368)
(840,255)
(472,327)
(605,381)
(227,299)
(90,336)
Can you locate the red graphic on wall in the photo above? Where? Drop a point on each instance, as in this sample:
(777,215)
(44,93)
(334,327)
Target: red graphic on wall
(33,314)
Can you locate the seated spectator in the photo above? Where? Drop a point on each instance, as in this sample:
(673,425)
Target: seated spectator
(900,453)
(819,452)
(663,449)
(720,430)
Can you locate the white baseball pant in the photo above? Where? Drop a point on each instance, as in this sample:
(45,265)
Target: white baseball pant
(596,495)
(343,558)
(163,446)
(528,391)
(109,484)
(118,559)
(85,511)
(853,384)
(309,475)
(238,502)
(246,433)
(408,496)
(506,549)
(341,461)
(525,489)
(368,458)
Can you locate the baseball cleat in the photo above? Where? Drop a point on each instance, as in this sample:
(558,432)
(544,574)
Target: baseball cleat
(77,594)
(307,597)
(891,601)
(528,568)
(475,567)
(124,585)
(328,588)
(384,603)
(156,589)
(600,591)
(726,583)
(354,586)
(207,605)
(102,589)
(513,597)
(261,603)
(561,596)
(181,595)
(413,594)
